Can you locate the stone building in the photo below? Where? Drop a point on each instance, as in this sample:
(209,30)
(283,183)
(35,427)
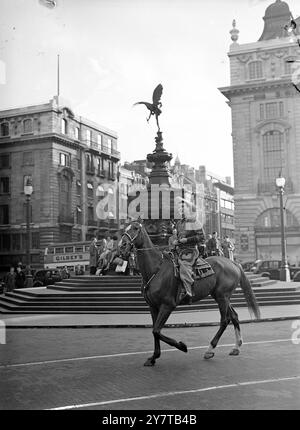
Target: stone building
(265,110)
(71,162)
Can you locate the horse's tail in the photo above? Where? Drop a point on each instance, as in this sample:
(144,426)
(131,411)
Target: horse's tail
(249,294)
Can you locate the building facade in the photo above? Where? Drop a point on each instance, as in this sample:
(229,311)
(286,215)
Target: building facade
(265,111)
(68,159)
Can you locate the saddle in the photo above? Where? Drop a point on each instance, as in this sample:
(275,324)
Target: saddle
(202,269)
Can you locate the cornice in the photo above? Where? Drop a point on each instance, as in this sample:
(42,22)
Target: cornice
(255,87)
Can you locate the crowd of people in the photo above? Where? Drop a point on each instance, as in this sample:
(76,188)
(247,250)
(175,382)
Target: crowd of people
(105,254)
(17,278)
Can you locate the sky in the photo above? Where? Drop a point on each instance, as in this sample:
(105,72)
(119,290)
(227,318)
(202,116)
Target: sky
(113,53)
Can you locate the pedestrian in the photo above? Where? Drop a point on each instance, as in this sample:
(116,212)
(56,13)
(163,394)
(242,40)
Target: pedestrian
(28,277)
(65,273)
(10,280)
(173,238)
(93,256)
(228,248)
(20,278)
(216,248)
(209,245)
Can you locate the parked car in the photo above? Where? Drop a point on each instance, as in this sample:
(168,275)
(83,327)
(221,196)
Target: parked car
(46,277)
(247,265)
(271,269)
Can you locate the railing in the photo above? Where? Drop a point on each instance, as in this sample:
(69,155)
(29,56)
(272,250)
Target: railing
(101,148)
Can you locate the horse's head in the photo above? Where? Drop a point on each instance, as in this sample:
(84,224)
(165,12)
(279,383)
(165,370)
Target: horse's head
(131,237)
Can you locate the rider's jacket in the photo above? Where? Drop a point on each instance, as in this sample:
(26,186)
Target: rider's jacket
(194,234)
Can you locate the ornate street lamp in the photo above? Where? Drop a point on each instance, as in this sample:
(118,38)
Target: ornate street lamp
(284,270)
(28,189)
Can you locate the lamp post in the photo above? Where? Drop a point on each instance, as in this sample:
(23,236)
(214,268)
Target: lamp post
(284,270)
(28,189)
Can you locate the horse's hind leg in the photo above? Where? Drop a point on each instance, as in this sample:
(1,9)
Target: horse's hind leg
(238,338)
(225,319)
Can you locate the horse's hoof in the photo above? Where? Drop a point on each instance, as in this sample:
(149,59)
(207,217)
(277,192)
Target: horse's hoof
(234,351)
(209,355)
(182,346)
(149,362)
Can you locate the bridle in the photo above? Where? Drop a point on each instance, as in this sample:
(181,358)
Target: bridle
(132,239)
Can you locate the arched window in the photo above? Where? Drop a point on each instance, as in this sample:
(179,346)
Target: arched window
(271,219)
(4,129)
(88,160)
(64,126)
(27,126)
(255,70)
(273,155)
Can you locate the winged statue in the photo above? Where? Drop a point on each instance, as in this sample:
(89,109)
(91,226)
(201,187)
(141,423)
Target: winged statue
(155,106)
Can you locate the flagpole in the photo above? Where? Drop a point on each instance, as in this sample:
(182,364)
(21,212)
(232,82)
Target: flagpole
(58,79)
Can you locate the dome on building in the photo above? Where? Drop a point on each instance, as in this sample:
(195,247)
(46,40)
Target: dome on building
(279,8)
(277,16)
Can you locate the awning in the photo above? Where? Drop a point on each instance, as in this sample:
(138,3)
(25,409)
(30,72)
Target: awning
(90,186)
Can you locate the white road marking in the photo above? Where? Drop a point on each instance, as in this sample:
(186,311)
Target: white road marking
(174,393)
(124,354)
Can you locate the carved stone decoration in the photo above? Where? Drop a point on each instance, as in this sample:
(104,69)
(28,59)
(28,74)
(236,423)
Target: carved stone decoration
(263,55)
(244,58)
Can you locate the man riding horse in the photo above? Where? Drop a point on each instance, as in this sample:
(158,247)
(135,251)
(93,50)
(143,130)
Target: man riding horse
(190,237)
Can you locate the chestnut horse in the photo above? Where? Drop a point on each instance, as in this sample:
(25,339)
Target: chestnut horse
(162,287)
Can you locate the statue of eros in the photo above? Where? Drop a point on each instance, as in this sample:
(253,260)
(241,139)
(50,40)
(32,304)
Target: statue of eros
(155,106)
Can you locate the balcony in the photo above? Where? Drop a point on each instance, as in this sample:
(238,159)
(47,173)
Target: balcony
(94,145)
(90,170)
(65,219)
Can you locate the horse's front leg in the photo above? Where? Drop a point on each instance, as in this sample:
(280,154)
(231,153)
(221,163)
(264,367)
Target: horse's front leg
(163,315)
(156,354)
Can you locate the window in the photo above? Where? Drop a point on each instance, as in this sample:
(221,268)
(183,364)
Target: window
(35,240)
(4,129)
(27,158)
(5,242)
(4,214)
(90,188)
(273,155)
(288,67)
(90,213)
(27,126)
(89,163)
(255,70)
(99,140)
(261,112)
(88,137)
(64,126)
(4,185)
(4,161)
(78,187)
(271,110)
(16,242)
(109,144)
(79,217)
(78,164)
(281,111)
(64,159)
(77,133)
